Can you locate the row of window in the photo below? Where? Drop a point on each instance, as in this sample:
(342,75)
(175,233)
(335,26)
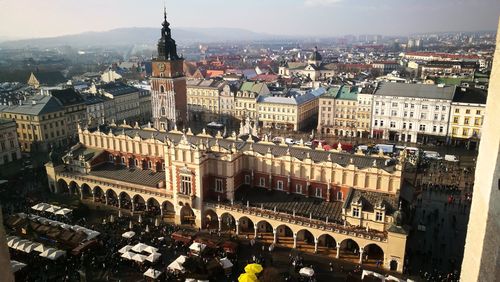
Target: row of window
(467,111)
(467,120)
(356,212)
(411,106)
(465,132)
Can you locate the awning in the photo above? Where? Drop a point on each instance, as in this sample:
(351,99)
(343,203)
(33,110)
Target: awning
(197,247)
(306,271)
(128,234)
(125,249)
(16,265)
(64,211)
(139,258)
(139,247)
(127,255)
(153,257)
(152,273)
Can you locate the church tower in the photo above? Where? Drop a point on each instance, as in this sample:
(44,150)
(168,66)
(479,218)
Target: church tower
(168,83)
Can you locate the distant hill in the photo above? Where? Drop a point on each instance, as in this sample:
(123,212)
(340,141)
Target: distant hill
(139,35)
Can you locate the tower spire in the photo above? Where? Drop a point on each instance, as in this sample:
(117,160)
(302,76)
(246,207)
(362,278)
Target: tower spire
(165,10)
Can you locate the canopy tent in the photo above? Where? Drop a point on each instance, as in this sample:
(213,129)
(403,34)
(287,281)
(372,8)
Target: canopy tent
(153,257)
(13,241)
(139,258)
(53,209)
(127,255)
(125,249)
(371,273)
(253,268)
(128,234)
(17,243)
(31,247)
(225,263)
(392,278)
(57,254)
(47,252)
(152,273)
(41,248)
(41,207)
(176,265)
(139,247)
(306,271)
(150,249)
(247,277)
(197,247)
(63,211)
(16,265)
(22,244)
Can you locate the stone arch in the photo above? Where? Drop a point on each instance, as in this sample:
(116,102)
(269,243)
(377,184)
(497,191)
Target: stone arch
(125,200)
(168,208)
(327,241)
(349,249)
(210,219)
(98,194)
(112,197)
(228,222)
(246,225)
(373,253)
(187,215)
(139,203)
(85,191)
(305,239)
(264,227)
(62,186)
(73,188)
(153,206)
(284,235)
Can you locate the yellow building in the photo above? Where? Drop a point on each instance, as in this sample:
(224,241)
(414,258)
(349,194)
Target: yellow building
(293,111)
(9,145)
(204,98)
(245,102)
(346,104)
(326,111)
(337,204)
(467,114)
(40,122)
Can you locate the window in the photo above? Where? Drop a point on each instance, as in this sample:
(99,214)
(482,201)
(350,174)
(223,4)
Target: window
(393,124)
(424,107)
(376,122)
(423,116)
(185,185)
(411,114)
(318,193)
(478,112)
(110,158)
(422,127)
(406,105)
(247,179)
(457,111)
(477,121)
(262,182)
(436,108)
(279,185)
(412,106)
(454,131)
(355,212)
(466,120)
(381,123)
(436,116)
(443,108)
(394,113)
(298,189)
(404,125)
(434,128)
(340,196)
(378,216)
(441,129)
(218,185)
(455,119)
(467,111)
(394,104)
(465,132)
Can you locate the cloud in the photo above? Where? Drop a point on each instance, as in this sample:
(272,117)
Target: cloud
(321,2)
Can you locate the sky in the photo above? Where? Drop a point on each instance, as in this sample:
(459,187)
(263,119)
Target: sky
(46,18)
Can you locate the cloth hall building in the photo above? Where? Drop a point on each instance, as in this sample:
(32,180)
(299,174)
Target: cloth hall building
(343,205)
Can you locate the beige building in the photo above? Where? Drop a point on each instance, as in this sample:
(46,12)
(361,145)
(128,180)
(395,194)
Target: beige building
(293,111)
(9,145)
(346,103)
(204,98)
(326,111)
(75,110)
(337,204)
(467,114)
(364,113)
(481,260)
(40,122)
(245,102)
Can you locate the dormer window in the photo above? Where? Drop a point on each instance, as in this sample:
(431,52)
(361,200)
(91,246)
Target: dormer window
(355,212)
(379,216)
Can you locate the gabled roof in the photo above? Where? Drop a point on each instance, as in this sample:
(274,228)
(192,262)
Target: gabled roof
(348,93)
(68,97)
(470,96)
(49,78)
(35,105)
(118,88)
(427,91)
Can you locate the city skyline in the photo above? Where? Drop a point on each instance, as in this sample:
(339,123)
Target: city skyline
(321,18)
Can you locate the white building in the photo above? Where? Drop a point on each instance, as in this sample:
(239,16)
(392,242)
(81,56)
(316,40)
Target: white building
(411,112)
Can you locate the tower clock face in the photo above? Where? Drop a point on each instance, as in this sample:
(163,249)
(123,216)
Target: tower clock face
(161,66)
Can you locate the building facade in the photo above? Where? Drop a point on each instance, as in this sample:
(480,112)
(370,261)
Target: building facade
(40,122)
(364,113)
(326,111)
(168,83)
(467,115)
(9,144)
(346,103)
(245,102)
(204,98)
(411,112)
(206,181)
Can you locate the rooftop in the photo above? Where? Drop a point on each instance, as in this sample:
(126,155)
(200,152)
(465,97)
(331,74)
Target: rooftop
(132,175)
(470,95)
(118,88)
(427,91)
(34,105)
(68,97)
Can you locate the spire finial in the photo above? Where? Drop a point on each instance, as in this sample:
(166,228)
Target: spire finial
(165,10)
